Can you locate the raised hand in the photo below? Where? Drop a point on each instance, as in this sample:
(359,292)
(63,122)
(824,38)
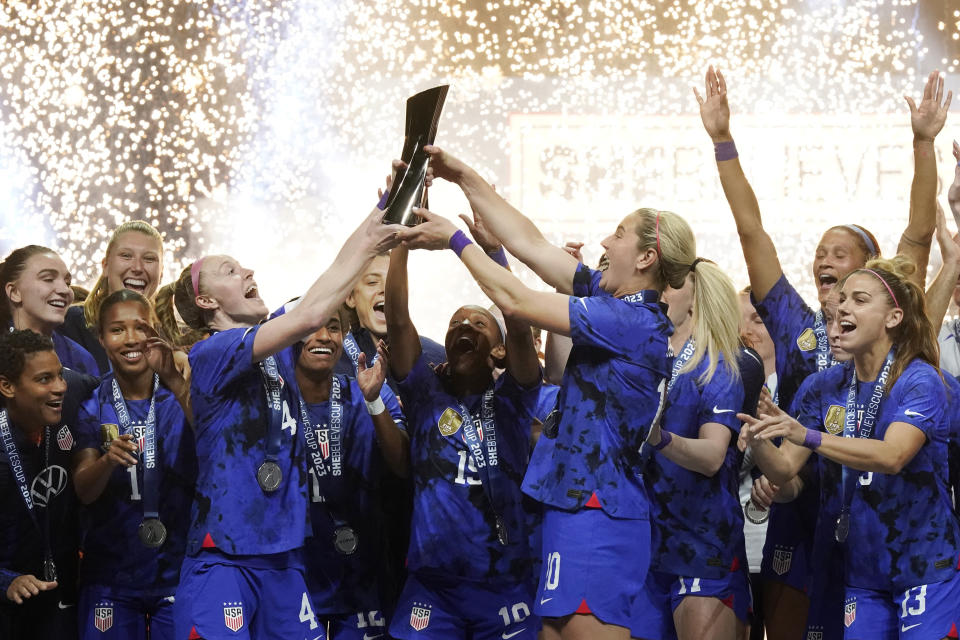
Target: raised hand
(949,246)
(27,586)
(159,353)
(371,378)
(120,451)
(487,241)
(928,118)
(443,165)
(953,193)
(777,425)
(431,234)
(714,110)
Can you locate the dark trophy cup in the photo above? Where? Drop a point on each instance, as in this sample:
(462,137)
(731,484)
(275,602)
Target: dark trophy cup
(407,191)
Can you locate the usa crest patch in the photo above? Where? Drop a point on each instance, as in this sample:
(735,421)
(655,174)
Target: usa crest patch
(233,615)
(420,616)
(103,617)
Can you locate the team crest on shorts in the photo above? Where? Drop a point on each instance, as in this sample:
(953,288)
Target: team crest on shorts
(782,559)
(103,616)
(849,613)
(807,341)
(836,415)
(64,438)
(420,616)
(449,422)
(233,615)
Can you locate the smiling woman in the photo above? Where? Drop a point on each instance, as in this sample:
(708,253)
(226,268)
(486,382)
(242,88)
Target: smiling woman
(36,295)
(134,260)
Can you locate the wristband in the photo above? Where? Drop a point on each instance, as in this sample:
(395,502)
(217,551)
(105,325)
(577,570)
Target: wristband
(376,407)
(459,242)
(383,200)
(500,257)
(812,439)
(665,438)
(725,150)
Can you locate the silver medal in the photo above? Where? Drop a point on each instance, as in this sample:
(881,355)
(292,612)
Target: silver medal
(345,540)
(755,514)
(152,533)
(269,476)
(502,532)
(843,527)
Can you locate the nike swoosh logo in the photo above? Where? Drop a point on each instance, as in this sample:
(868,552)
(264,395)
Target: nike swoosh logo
(718,410)
(366,637)
(545,600)
(65,606)
(507,636)
(903,628)
(912,413)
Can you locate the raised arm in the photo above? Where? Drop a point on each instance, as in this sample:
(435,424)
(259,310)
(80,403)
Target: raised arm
(927,120)
(404,340)
(522,361)
(940,293)
(763,265)
(953,193)
(324,297)
(518,233)
(393,441)
(546,310)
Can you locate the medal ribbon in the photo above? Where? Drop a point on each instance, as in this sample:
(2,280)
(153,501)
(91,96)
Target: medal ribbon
(680,361)
(824,357)
(271,384)
(20,477)
(647,295)
(852,428)
(473,432)
(335,467)
(151,482)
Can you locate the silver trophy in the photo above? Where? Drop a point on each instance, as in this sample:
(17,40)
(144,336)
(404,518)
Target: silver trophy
(407,191)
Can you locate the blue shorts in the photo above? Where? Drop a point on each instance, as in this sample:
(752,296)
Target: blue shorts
(219,599)
(592,563)
(922,612)
(827,591)
(363,625)
(452,609)
(663,592)
(788,545)
(112,613)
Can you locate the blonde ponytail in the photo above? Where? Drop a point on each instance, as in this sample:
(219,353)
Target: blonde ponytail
(716,320)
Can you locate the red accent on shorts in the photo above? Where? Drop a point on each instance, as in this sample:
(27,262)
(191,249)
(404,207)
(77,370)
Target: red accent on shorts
(735,564)
(594,502)
(208,542)
(728,601)
(584,607)
(194,635)
(953,631)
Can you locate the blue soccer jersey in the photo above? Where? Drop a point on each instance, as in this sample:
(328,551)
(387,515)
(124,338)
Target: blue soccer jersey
(608,399)
(454,526)
(231,512)
(73,356)
(902,532)
(697,520)
(953,449)
(112,552)
(792,326)
(347,494)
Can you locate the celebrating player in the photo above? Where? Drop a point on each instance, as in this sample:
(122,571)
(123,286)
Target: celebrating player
(134,260)
(243,576)
(36,296)
(354,431)
(586,467)
(879,426)
(38,526)
(698,585)
(134,469)
(469,559)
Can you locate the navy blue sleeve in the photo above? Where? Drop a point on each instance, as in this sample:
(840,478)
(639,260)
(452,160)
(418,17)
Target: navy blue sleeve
(611,324)
(87,429)
(751,375)
(586,281)
(433,351)
(393,406)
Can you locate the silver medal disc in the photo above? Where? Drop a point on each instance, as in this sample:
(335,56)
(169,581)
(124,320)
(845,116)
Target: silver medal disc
(345,540)
(269,476)
(755,514)
(152,533)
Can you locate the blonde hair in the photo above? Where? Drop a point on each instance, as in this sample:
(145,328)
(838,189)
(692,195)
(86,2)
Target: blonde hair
(91,306)
(716,320)
(671,237)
